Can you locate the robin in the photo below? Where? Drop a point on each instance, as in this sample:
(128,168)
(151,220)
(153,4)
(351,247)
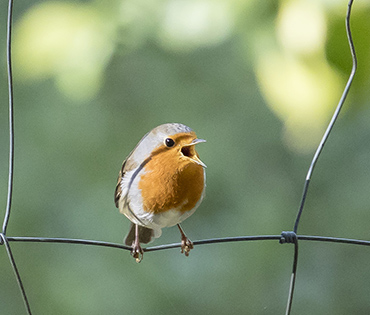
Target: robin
(161,183)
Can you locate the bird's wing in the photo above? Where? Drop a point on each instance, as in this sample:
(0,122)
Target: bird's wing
(128,165)
(118,191)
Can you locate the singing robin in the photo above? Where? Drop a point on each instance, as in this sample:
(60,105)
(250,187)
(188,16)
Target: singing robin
(160,184)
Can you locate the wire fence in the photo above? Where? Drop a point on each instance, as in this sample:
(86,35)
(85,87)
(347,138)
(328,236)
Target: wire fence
(285,237)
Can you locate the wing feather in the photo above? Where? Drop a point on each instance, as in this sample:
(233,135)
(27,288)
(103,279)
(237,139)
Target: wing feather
(118,191)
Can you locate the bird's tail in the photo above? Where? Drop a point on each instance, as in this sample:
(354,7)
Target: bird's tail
(146,235)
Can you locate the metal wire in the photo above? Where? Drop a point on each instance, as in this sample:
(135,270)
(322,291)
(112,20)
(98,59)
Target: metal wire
(3,239)
(285,237)
(325,239)
(16,273)
(318,152)
(334,118)
(11,116)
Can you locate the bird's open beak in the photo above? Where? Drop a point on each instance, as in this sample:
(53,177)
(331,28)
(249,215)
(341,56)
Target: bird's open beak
(195,157)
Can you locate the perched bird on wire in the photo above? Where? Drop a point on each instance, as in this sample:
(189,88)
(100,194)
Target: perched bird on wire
(160,184)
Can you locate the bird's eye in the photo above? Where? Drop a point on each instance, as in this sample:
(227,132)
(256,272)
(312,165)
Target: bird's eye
(169,142)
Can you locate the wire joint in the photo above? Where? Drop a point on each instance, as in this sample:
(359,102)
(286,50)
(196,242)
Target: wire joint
(288,237)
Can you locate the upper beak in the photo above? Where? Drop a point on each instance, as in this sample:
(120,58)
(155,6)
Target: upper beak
(195,141)
(195,158)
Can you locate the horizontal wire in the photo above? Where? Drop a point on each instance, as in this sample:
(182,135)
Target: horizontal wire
(215,241)
(314,238)
(65,241)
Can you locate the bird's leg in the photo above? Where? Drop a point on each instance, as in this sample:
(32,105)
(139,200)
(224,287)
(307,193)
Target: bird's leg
(186,244)
(137,251)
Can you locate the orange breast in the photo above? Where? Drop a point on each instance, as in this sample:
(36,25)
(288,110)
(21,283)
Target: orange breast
(169,182)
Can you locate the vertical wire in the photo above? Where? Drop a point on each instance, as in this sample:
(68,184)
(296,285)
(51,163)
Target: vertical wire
(11,118)
(292,280)
(16,273)
(335,115)
(318,152)
(3,239)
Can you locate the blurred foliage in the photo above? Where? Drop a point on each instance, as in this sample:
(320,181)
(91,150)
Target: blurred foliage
(257,79)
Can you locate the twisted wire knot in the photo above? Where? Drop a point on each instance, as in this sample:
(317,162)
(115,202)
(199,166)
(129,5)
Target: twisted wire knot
(2,238)
(288,237)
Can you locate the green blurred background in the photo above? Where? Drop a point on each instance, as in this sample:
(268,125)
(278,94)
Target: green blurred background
(257,79)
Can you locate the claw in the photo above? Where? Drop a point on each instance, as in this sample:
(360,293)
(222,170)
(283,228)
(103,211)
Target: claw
(186,245)
(137,252)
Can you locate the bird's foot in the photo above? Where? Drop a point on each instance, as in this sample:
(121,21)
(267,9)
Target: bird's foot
(137,252)
(186,245)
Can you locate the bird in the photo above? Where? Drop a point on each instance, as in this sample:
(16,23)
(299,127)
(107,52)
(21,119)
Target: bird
(160,184)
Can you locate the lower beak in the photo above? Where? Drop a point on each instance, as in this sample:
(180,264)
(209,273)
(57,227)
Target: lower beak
(198,161)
